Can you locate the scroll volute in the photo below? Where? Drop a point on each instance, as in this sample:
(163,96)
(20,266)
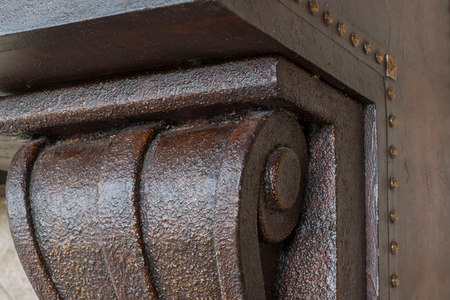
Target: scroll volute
(201,210)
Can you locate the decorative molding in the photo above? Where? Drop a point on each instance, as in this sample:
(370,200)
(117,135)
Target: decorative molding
(158,196)
(174,212)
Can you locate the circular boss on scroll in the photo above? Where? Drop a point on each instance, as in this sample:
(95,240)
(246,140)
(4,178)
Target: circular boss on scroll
(272,190)
(258,199)
(280,151)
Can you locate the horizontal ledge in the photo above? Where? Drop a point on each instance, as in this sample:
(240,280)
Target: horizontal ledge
(266,82)
(170,95)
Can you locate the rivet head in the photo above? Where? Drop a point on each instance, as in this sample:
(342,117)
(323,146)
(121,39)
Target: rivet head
(393,152)
(392,121)
(313,7)
(355,40)
(393,183)
(342,30)
(391,68)
(391,93)
(378,56)
(395,281)
(367,48)
(394,247)
(328,18)
(393,216)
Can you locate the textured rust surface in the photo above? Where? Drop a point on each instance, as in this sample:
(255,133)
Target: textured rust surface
(330,107)
(21,221)
(139,214)
(119,213)
(195,92)
(308,264)
(268,82)
(242,167)
(281,192)
(63,194)
(178,182)
(106,44)
(202,95)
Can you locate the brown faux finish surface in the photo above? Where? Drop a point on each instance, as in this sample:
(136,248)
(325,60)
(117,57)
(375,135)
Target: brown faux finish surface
(177,204)
(422,136)
(64,45)
(308,264)
(21,221)
(139,38)
(198,92)
(256,83)
(79,42)
(108,229)
(119,213)
(271,82)
(63,194)
(243,163)
(348,120)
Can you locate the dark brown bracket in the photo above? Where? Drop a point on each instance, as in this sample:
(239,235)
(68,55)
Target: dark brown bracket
(228,188)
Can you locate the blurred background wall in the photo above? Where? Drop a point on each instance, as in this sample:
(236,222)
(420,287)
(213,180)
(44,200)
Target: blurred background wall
(14,284)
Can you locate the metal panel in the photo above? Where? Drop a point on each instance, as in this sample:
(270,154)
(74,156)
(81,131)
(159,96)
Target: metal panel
(415,33)
(420,42)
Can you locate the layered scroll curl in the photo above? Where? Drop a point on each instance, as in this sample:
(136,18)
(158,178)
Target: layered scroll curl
(195,211)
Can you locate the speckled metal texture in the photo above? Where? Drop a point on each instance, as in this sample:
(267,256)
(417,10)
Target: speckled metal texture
(63,194)
(119,214)
(168,215)
(192,93)
(73,117)
(50,41)
(177,203)
(21,220)
(308,263)
(240,179)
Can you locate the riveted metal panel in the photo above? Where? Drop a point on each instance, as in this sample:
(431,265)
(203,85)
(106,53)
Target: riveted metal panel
(413,33)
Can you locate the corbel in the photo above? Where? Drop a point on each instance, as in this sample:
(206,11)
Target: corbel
(229,189)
